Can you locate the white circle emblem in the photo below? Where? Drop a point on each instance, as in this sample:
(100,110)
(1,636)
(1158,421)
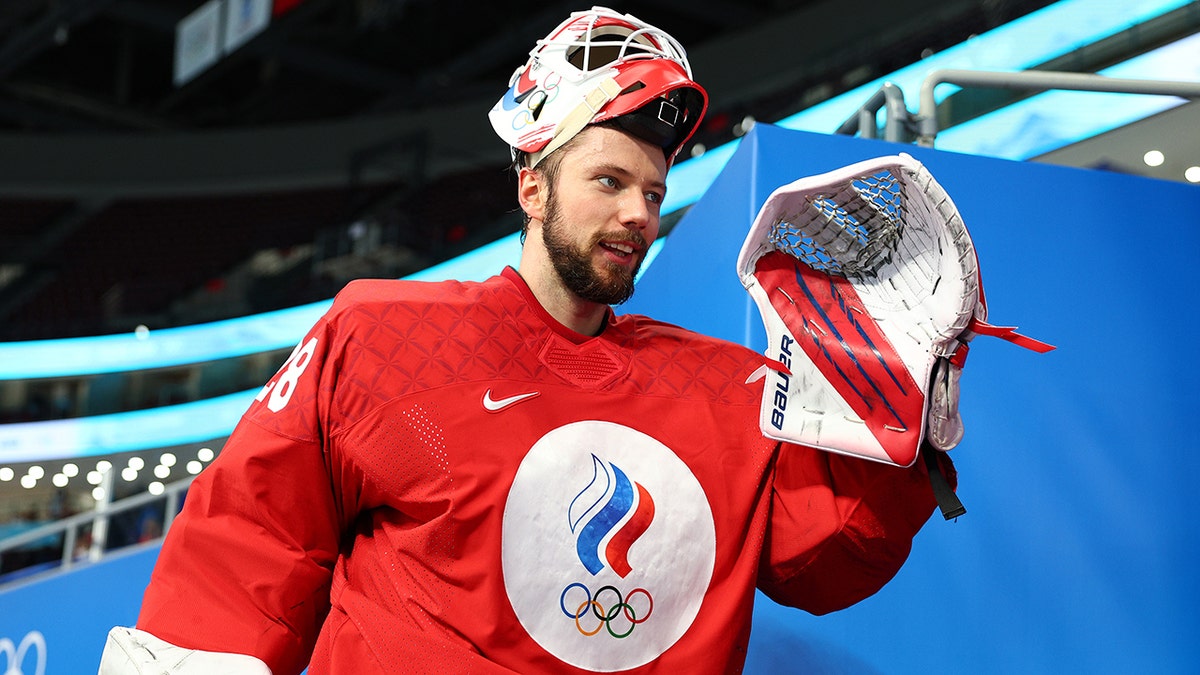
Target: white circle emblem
(608,546)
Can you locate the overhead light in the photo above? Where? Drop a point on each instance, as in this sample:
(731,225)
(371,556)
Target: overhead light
(1153,158)
(1192,174)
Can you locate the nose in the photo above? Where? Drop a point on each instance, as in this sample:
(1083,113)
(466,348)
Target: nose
(637,212)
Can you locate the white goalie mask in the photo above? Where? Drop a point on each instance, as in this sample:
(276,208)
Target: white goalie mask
(599,65)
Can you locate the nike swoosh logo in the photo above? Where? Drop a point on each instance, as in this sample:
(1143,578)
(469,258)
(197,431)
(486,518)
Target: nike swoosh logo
(496,405)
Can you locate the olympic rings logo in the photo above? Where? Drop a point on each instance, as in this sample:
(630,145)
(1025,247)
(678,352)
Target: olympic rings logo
(536,100)
(619,613)
(16,654)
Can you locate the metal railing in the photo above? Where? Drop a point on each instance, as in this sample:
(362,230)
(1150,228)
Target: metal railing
(924,124)
(927,123)
(98,519)
(897,122)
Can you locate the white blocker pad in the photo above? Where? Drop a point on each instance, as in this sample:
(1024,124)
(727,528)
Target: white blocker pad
(864,277)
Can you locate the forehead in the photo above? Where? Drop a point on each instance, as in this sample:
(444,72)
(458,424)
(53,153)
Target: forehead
(603,146)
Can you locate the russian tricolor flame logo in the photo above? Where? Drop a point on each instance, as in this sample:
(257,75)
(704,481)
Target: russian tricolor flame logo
(607,517)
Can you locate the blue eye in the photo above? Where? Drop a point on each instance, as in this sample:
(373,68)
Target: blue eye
(654,197)
(608,181)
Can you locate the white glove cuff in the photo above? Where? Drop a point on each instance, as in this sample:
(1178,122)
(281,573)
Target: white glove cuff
(130,651)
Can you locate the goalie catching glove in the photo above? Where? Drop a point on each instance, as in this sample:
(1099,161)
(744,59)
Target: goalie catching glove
(868,285)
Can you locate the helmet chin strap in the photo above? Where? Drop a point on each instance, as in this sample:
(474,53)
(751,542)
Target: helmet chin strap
(574,122)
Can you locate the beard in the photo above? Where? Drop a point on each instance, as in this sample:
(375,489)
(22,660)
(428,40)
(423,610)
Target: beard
(611,284)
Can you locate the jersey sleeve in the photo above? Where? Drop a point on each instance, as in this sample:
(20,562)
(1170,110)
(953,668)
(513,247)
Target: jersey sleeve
(246,567)
(840,527)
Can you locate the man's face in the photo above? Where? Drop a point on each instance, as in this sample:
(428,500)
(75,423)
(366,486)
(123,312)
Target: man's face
(602,213)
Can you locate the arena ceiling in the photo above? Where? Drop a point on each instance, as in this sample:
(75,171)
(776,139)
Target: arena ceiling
(96,65)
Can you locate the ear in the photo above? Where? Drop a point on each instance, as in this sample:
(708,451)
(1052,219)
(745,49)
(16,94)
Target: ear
(531,193)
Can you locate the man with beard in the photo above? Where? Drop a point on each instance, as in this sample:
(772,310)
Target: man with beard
(597,215)
(506,476)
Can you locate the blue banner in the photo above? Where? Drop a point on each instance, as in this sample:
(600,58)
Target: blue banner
(1077,471)
(58,625)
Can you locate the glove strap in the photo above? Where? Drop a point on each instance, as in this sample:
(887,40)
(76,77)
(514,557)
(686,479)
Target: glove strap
(947,500)
(1010,334)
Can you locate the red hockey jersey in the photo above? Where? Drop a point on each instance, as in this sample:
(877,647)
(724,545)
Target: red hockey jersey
(442,478)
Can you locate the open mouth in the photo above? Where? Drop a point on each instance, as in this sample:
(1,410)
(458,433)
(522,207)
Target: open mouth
(623,247)
(620,248)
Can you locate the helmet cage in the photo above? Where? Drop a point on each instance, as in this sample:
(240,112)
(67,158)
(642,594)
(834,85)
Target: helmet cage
(599,65)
